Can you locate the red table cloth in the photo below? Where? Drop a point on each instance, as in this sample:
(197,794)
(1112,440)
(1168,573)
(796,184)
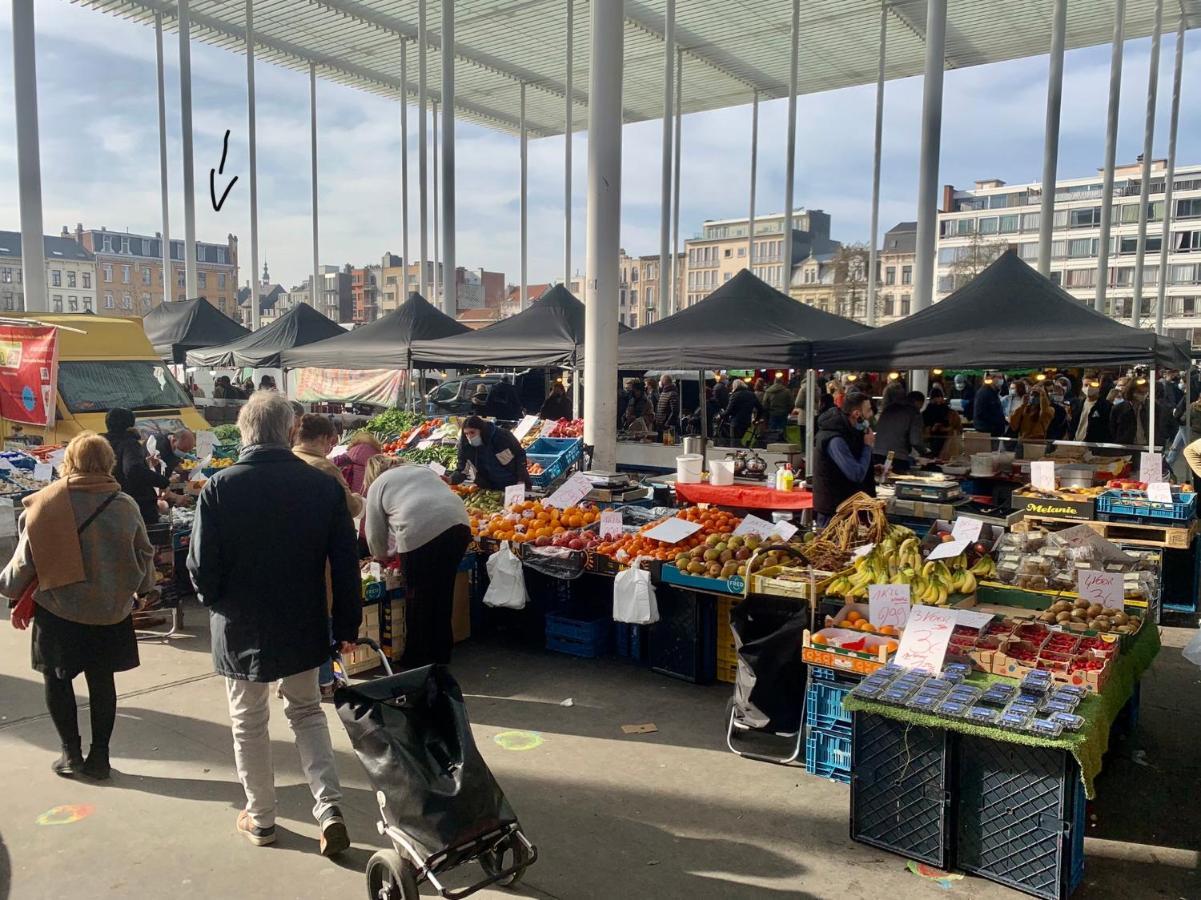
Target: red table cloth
(745,496)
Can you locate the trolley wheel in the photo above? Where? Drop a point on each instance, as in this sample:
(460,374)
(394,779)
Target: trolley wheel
(391,878)
(499,859)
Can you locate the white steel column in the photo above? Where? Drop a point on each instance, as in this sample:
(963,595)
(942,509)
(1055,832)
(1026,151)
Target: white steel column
(29,165)
(674,283)
(254,170)
(318,283)
(450,303)
(422,150)
(931,125)
(1144,193)
(1170,177)
(750,218)
(794,52)
(873,276)
(189,170)
(568,117)
(168,281)
(437,278)
(1111,146)
(663,305)
(1051,136)
(404,173)
(604,227)
(523,202)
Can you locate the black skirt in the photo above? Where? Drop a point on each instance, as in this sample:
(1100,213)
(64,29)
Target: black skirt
(67,648)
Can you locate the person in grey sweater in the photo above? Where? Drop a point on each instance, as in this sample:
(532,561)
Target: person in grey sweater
(899,428)
(412,513)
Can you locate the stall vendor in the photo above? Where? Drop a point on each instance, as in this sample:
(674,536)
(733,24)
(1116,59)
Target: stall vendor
(497,457)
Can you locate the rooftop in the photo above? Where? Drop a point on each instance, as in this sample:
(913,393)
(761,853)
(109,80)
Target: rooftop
(54,247)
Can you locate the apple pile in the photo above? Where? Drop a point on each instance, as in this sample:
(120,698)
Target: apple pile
(720,556)
(567,428)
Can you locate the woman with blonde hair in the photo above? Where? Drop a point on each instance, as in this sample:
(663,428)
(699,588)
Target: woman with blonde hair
(82,556)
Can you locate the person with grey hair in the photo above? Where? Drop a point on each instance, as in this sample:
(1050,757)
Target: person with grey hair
(267,529)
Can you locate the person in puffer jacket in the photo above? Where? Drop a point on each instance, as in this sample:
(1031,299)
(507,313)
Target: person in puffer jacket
(353,463)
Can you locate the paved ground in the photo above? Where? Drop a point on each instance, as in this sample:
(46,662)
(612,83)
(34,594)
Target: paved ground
(668,815)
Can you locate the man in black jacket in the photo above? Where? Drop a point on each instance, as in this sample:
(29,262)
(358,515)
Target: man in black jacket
(268,530)
(133,470)
(843,460)
(1091,421)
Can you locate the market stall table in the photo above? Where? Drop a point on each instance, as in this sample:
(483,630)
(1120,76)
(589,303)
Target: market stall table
(637,455)
(745,496)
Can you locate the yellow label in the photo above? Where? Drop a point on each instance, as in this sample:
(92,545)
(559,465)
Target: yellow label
(1047,509)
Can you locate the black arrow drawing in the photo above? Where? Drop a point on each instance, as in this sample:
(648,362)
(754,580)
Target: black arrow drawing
(217,204)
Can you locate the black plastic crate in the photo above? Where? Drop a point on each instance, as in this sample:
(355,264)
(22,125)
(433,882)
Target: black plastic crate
(683,641)
(900,799)
(1020,813)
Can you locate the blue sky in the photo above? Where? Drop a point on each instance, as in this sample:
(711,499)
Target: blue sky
(98,121)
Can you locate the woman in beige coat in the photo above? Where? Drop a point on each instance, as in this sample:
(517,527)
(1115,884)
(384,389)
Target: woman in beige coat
(85,544)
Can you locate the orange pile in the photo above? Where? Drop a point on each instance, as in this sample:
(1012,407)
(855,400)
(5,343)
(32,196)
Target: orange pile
(530,520)
(631,546)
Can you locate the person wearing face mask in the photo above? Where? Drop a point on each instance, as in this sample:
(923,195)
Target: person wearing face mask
(497,457)
(1061,417)
(988,414)
(1091,422)
(1014,398)
(843,465)
(1030,420)
(1129,420)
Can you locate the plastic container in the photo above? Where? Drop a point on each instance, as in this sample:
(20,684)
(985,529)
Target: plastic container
(828,755)
(688,468)
(577,637)
(721,472)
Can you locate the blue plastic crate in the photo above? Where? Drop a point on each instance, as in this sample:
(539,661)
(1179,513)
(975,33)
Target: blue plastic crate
(1135,505)
(555,455)
(683,643)
(588,638)
(823,708)
(629,641)
(828,755)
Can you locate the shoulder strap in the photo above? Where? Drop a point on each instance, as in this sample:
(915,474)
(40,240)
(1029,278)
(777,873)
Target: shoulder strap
(97,511)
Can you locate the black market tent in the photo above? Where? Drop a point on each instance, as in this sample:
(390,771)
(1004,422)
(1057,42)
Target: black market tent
(261,349)
(382,344)
(550,332)
(744,324)
(1007,317)
(178,326)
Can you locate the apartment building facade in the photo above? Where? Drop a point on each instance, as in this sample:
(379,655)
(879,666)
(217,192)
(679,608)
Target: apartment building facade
(130,270)
(474,288)
(365,283)
(638,288)
(976,224)
(720,251)
(70,275)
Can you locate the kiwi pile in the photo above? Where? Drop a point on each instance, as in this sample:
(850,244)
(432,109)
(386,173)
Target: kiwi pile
(1092,616)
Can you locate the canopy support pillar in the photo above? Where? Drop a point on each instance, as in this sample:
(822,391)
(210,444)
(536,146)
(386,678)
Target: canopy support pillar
(403,292)
(255,302)
(164,195)
(750,218)
(1170,177)
(422,153)
(450,281)
(318,283)
(873,275)
(523,203)
(1136,306)
(794,50)
(607,36)
(663,301)
(189,166)
(931,130)
(568,122)
(1051,136)
(437,275)
(810,418)
(1111,146)
(674,273)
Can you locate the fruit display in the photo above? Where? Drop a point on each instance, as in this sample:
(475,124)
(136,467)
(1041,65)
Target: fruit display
(720,556)
(1092,616)
(713,522)
(1070,659)
(221,462)
(534,468)
(18,481)
(897,559)
(533,522)
(481,502)
(859,520)
(567,428)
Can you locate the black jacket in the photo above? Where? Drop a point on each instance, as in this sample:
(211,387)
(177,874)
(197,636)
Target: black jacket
(499,461)
(741,409)
(265,530)
(830,486)
(134,474)
(504,402)
(556,406)
(667,407)
(1097,431)
(987,414)
(1123,426)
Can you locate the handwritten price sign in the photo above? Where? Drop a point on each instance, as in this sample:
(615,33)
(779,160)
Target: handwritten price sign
(888,604)
(927,633)
(1105,588)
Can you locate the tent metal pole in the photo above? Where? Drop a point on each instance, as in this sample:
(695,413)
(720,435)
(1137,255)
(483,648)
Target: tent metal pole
(1151,442)
(931,132)
(450,280)
(422,153)
(674,284)
(255,302)
(523,202)
(750,219)
(1145,185)
(1169,178)
(29,164)
(437,273)
(568,119)
(318,284)
(663,301)
(873,275)
(1111,146)
(794,49)
(403,293)
(607,36)
(810,392)
(575,392)
(1051,136)
(189,167)
(164,194)
(704,408)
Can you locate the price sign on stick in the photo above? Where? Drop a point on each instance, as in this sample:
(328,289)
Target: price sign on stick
(1159,492)
(966,529)
(523,427)
(514,493)
(1105,588)
(610,523)
(927,633)
(888,604)
(1150,467)
(573,490)
(947,550)
(784,530)
(205,441)
(1042,475)
(437,468)
(43,472)
(756,526)
(673,530)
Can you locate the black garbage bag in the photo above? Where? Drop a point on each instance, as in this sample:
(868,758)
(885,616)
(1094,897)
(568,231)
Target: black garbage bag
(412,735)
(770,684)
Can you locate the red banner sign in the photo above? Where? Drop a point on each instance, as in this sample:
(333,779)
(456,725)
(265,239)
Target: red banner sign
(28,373)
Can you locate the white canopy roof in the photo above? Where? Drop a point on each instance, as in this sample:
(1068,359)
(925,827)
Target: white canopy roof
(731,49)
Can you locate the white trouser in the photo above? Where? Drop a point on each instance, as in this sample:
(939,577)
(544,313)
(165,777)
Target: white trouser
(249,713)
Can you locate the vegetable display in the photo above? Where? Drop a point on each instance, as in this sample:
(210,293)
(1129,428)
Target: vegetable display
(227,434)
(392,421)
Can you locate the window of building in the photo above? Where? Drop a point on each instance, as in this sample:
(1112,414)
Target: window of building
(1186,241)
(202,279)
(179,279)
(1186,274)
(145,274)
(1082,247)
(1060,219)
(70,279)
(124,245)
(73,304)
(634,297)
(1009,224)
(126,301)
(889,305)
(1080,278)
(634,276)
(946,284)
(1130,244)
(56,302)
(1188,209)
(87,279)
(741,251)
(108,272)
(6,275)
(1085,218)
(621,296)
(222,255)
(106,244)
(87,304)
(200,253)
(987,225)
(890,275)
(1030,221)
(125,274)
(906,274)
(56,278)
(108,300)
(145,301)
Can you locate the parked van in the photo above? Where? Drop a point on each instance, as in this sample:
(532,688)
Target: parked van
(105,363)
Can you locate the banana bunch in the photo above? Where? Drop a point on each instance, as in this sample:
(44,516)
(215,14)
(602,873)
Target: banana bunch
(985,567)
(898,560)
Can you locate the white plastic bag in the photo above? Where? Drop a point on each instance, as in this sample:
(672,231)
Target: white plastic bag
(1192,650)
(634,596)
(506,581)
